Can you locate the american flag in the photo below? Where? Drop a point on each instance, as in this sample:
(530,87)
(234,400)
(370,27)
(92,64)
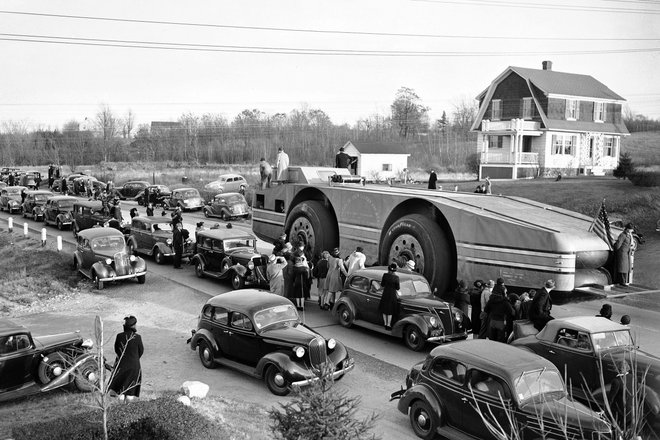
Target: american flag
(601,226)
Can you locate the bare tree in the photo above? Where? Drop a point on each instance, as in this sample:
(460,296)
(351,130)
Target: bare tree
(107,125)
(408,113)
(127,124)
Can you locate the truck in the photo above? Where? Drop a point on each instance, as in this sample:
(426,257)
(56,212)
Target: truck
(449,235)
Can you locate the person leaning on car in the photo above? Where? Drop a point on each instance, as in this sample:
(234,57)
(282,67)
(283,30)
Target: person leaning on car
(539,311)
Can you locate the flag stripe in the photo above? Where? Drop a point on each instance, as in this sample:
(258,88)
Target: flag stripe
(601,226)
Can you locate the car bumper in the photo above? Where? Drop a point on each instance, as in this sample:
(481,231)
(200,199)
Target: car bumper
(335,375)
(123,277)
(447,338)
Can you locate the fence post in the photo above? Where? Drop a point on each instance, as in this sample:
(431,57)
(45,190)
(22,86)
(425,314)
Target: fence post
(43,237)
(25,229)
(10,225)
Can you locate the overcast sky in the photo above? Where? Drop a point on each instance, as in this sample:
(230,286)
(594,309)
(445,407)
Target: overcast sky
(346,57)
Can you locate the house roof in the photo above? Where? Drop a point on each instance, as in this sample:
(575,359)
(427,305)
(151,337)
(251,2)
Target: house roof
(380,148)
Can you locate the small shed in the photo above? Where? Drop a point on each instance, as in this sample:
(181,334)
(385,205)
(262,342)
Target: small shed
(377,160)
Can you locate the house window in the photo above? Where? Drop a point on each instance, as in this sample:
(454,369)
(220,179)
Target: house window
(572,109)
(497,110)
(494,142)
(387,167)
(599,112)
(609,146)
(563,144)
(527,108)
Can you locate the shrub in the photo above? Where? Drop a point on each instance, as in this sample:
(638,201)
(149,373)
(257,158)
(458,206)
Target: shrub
(626,167)
(163,418)
(472,163)
(645,178)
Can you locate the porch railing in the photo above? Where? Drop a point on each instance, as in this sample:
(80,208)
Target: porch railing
(508,157)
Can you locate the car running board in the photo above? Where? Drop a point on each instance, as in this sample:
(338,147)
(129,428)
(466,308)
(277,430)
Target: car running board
(237,366)
(373,327)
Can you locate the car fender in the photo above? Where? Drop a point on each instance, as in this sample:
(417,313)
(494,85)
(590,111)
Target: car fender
(100,269)
(206,336)
(416,320)
(132,242)
(162,247)
(424,393)
(348,303)
(62,218)
(239,269)
(198,259)
(278,358)
(652,399)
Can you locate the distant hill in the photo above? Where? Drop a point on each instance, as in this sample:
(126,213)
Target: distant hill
(643,147)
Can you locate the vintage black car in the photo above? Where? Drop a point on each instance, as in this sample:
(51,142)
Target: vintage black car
(422,317)
(102,256)
(156,194)
(588,349)
(6,171)
(31,364)
(230,253)
(188,199)
(227,206)
(473,389)
(35,203)
(57,184)
(226,183)
(261,334)
(153,236)
(11,199)
(130,190)
(57,211)
(89,213)
(30,179)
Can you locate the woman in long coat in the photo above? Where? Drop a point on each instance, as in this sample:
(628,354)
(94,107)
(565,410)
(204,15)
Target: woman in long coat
(623,251)
(333,279)
(127,374)
(388,302)
(300,281)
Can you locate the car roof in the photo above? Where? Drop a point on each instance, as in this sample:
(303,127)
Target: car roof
(587,324)
(376,273)
(230,175)
(153,218)
(100,232)
(228,195)
(14,188)
(502,359)
(9,327)
(184,189)
(225,233)
(59,198)
(138,181)
(38,191)
(94,204)
(248,300)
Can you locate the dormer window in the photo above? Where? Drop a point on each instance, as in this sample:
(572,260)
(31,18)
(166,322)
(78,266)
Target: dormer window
(496,109)
(599,112)
(572,109)
(527,108)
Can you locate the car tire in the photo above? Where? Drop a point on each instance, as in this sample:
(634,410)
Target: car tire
(206,213)
(206,355)
(224,216)
(141,279)
(86,377)
(345,315)
(314,225)
(59,224)
(226,264)
(56,364)
(97,281)
(423,420)
(419,237)
(199,270)
(35,216)
(413,338)
(275,381)
(237,281)
(159,258)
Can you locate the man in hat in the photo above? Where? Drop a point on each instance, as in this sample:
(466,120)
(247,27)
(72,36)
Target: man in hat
(539,311)
(342,160)
(199,227)
(624,248)
(177,244)
(483,316)
(433,179)
(475,304)
(356,260)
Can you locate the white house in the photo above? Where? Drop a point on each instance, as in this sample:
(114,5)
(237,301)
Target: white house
(377,160)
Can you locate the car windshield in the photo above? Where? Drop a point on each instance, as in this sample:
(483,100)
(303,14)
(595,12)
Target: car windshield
(541,385)
(276,315)
(233,199)
(13,191)
(417,287)
(41,198)
(189,193)
(108,244)
(65,205)
(167,227)
(239,243)
(606,340)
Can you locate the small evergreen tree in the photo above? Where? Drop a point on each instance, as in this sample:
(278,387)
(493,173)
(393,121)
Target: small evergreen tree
(626,167)
(321,412)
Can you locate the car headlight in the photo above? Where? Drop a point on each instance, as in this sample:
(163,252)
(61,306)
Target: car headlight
(250,265)
(108,261)
(87,343)
(332,343)
(132,258)
(168,242)
(433,321)
(458,316)
(299,351)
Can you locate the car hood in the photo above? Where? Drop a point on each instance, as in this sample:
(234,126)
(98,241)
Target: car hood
(575,414)
(109,254)
(55,340)
(424,301)
(242,253)
(298,334)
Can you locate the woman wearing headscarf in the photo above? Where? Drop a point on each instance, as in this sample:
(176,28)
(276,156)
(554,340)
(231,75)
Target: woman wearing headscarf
(333,281)
(300,278)
(127,373)
(388,302)
(275,274)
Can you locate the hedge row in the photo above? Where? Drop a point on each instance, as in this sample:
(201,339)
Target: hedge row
(163,418)
(645,178)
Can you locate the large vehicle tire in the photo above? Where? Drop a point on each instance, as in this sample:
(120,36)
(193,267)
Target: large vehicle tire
(275,381)
(87,376)
(417,237)
(56,364)
(206,355)
(423,421)
(345,315)
(312,223)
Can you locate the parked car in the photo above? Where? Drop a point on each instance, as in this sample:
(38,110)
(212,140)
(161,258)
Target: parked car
(34,364)
(78,184)
(57,211)
(102,255)
(227,206)
(225,183)
(158,195)
(422,317)
(587,349)
(461,387)
(6,171)
(153,236)
(30,179)
(130,190)
(261,334)
(11,199)
(187,199)
(57,184)
(89,213)
(230,254)
(35,203)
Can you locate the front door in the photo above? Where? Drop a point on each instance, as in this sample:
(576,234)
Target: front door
(527,144)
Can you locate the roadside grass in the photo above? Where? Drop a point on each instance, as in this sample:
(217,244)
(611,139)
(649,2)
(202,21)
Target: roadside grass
(644,148)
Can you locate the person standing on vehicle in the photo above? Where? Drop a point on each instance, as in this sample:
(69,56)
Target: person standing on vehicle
(624,248)
(333,281)
(342,159)
(126,377)
(266,173)
(388,302)
(282,165)
(274,272)
(539,311)
(433,179)
(177,244)
(356,260)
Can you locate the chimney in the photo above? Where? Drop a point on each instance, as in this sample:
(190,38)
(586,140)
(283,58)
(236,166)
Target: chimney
(547,65)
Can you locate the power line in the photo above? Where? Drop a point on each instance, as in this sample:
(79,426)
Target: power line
(135,44)
(551,6)
(319,31)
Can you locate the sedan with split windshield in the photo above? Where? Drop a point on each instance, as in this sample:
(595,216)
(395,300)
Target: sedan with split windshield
(153,236)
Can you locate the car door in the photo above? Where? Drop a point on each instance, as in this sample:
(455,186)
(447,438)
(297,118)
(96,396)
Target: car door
(138,233)
(16,353)
(358,291)
(486,392)
(449,377)
(244,342)
(219,318)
